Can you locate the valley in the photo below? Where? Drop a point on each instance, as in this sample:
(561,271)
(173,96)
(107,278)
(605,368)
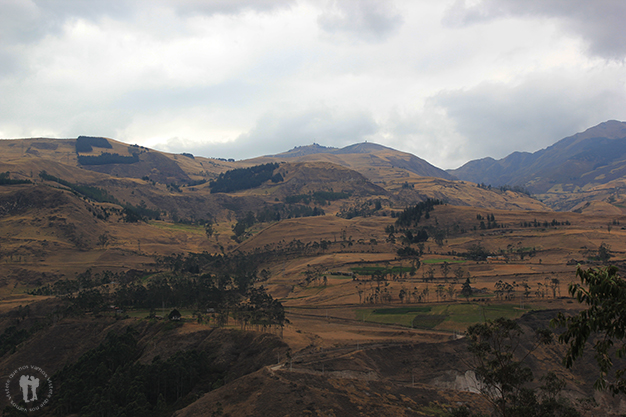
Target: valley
(318,282)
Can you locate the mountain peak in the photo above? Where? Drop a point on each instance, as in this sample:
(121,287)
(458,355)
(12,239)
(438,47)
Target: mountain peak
(611,129)
(580,161)
(312,149)
(363,147)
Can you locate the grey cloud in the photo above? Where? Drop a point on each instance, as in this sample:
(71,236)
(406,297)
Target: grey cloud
(230,94)
(278,133)
(498,119)
(368,20)
(600,23)
(227,6)
(25,21)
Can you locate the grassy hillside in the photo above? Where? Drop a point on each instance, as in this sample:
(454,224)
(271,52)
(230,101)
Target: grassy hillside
(362,292)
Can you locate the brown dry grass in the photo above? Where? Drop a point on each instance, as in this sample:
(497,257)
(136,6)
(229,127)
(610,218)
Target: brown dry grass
(31,247)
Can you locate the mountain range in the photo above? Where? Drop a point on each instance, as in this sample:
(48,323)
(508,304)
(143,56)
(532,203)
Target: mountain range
(594,157)
(300,279)
(588,166)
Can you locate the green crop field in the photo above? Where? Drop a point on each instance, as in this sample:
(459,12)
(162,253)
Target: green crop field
(457,316)
(179,227)
(371,270)
(440,261)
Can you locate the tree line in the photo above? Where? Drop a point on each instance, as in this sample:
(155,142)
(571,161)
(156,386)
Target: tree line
(5,179)
(319,197)
(93,193)
(106,158)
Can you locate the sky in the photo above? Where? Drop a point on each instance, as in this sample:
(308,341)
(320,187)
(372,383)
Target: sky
(447,80)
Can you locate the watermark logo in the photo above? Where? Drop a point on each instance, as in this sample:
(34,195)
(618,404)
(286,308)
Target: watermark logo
(28,388)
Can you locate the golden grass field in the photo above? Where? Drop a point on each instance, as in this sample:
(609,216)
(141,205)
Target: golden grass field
(345,330)
(61,238)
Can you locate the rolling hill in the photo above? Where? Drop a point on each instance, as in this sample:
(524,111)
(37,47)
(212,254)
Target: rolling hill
(375,161)
(100,240)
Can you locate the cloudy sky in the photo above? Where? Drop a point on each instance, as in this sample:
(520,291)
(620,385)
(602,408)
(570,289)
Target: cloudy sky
(447,80)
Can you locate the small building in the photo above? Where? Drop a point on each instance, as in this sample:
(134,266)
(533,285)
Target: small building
(174,315)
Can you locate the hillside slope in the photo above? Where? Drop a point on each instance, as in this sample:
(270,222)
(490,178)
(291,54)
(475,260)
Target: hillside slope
(370,159)
(593,157)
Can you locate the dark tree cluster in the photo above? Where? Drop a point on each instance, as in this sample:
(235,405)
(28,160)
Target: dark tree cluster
(411,216)
(514,188)
(83,280)
(5,179)
(93,193)
(360,209)
(500,358)
(275,213)
(196,182)
(107,380)
(244,178)
(227,291)
(173,187)
(134,214)
(106,158)
(415,236)
(11,337)
(545,223)
(476,252)
(604,253)
(87,143)
(319,197)
(491,222)
(408,252)
(601,326)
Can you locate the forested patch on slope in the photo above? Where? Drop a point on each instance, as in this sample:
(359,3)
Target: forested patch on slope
(87,143)
(106,158)
(245,178)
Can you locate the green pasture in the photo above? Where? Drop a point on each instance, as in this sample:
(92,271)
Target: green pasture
(440,261)
(179,227)
(371,270)
(457,316)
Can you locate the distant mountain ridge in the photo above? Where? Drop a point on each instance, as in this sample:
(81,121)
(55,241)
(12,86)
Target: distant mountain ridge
(595,156)
(362,157)
(305,150)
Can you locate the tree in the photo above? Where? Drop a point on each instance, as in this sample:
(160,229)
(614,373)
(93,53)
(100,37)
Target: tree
(430,273)
(459,273)
(499,364)
(466,290)
(208,229)
(555,284)
(604,253)
(103,240)
(604,321)
(402,294)
(440,290)
(445,270)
